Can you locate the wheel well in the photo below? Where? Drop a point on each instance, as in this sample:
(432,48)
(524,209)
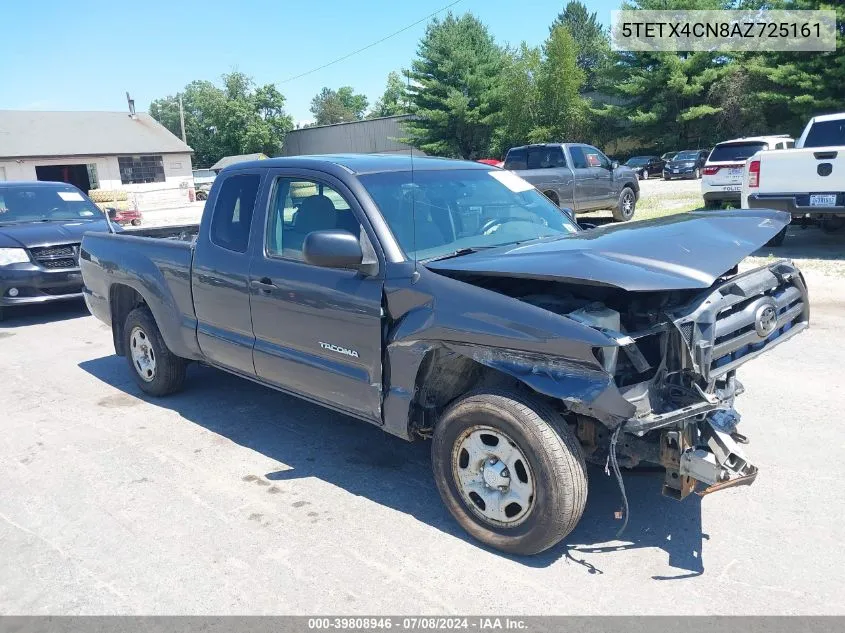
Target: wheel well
(551,195)
(122,300)
(444,376)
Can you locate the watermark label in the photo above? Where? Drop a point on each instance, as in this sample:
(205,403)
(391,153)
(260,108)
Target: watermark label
(655,31)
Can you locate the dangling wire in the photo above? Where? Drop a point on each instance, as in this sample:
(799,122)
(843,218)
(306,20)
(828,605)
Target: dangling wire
(615,464)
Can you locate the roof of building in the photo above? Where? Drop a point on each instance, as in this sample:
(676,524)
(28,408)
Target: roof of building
(368,163)
(28,133)
(240,158)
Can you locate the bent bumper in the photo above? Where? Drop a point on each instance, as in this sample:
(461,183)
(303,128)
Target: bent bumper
(33,285)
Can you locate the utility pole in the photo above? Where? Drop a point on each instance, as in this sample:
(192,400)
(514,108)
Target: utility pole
(182,120)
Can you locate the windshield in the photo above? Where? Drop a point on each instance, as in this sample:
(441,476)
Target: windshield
(686,156)
(736,152)
(636,161)
(40,203)
(443,211)
(826,134)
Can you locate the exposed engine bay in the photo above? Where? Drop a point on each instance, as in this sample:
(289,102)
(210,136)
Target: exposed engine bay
(673,356)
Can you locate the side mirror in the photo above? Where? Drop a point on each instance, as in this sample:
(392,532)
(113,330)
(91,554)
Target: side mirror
(332,249)
(614,164)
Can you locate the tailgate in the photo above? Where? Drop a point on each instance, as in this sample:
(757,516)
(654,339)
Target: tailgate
(811,170)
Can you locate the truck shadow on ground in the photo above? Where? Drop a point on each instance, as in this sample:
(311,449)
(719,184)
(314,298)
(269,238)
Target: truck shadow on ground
(365,461)
(38,314)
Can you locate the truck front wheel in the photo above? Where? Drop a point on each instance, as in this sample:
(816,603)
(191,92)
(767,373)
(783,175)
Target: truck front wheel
(624,210)
(156,370)
(509,470)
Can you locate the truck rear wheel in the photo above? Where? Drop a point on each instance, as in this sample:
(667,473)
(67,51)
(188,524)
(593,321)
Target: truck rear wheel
(509,470)
(156,370)
(624,210)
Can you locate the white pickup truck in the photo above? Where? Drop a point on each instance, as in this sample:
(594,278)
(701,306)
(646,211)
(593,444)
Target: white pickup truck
(806,181)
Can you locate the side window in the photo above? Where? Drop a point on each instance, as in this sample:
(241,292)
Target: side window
(595,158)
(579,160)
(536,157)
(516,159)
(299,207)
(233,209)
(790,144)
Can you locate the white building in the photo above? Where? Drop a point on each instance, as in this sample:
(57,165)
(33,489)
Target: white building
(98,150)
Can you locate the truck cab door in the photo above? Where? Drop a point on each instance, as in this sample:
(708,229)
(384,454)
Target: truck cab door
(220,272)
(603,184)
(549,172)
(318,331)
(585,189)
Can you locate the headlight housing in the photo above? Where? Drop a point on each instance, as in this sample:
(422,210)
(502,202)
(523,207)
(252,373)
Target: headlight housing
(13,256)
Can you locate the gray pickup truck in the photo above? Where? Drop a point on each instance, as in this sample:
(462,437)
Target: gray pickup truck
(451,300)
(577,176)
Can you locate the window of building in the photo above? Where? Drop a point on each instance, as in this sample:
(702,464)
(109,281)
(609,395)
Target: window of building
(140,169)
(233,209)
(300,207)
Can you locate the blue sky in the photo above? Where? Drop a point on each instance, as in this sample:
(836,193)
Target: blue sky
(85,54)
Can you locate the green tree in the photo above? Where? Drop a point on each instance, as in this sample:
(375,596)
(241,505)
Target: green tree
(455,84)
(338,106)
(590,37)
(562,109)
(519,98)
(665,100)
(792,86)
(239,118)
(394,100)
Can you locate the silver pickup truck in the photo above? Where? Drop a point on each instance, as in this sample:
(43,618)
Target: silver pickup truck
(577,176)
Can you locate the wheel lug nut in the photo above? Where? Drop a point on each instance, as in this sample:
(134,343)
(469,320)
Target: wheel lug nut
(505,473)
(493,460)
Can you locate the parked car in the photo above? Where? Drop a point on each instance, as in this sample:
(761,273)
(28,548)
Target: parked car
(203,179)
(41,227)
(668,156)
(451,300)
(686,164)
(577,176)
(721,179)
(646,166)
(808,181)
(493,162)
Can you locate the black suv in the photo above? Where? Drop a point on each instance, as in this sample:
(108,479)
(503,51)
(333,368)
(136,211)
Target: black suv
(686,164)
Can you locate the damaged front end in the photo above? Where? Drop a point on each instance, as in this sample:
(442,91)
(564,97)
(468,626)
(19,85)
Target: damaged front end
(685,420)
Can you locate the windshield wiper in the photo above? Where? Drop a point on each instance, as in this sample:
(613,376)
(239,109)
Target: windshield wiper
(458,253)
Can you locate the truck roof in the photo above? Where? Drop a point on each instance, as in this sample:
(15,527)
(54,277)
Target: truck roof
(362,163)
(828,117)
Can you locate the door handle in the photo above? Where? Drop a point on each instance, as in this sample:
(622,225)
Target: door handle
(265,285)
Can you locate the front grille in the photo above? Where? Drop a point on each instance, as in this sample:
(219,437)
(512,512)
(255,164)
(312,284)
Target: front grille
(58,256)
(744,317)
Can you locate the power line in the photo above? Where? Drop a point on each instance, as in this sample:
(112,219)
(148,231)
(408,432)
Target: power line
(360,50)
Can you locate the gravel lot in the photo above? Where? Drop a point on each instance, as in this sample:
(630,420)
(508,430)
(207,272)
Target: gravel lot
(232,498)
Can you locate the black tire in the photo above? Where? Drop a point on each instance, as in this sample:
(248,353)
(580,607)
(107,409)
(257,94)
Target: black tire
(2,314)
(627,205)
(202,195)
(551,195)
(778,239)
(696,174)
(832,225)
(645,174)
(168,373)
(554,457)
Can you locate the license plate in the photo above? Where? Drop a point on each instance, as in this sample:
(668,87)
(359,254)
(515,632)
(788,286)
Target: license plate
(736,171)
(674,171)
(823,200)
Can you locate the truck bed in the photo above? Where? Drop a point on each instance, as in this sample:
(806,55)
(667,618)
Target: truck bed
(182,232)
(151,263)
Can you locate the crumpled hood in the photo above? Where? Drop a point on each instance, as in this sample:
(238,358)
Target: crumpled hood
(33,234)
(684,251)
